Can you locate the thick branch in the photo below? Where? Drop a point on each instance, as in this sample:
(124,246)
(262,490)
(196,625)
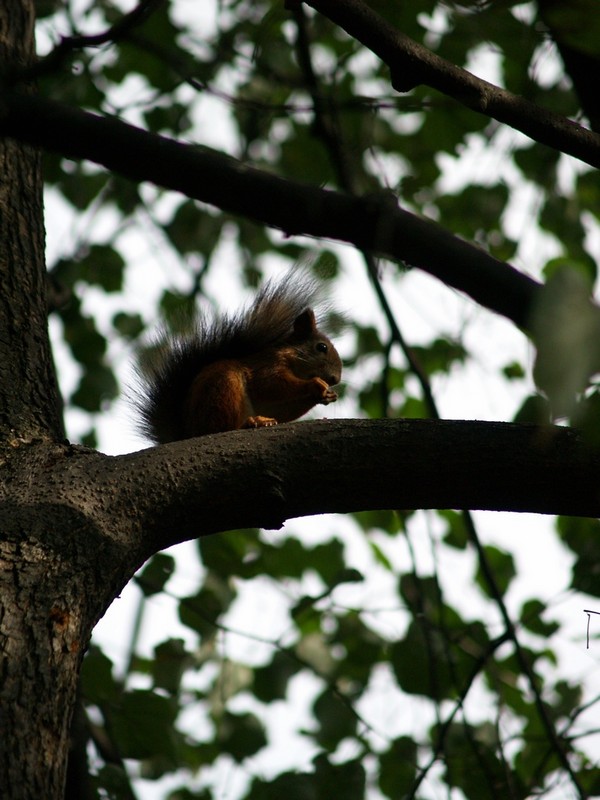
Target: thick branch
(264,477)
(412,64)
(373,224)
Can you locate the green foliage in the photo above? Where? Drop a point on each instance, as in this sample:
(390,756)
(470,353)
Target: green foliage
(473,765)
(502,567)
(156,573)
(397,767)
(143,726)
(531,618)
(327,780)
(273,623)
(581,537)
(439,652)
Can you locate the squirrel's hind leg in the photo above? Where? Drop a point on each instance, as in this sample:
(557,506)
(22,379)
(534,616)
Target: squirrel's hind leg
(217,400)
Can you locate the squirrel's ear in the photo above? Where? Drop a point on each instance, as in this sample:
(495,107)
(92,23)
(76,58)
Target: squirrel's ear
(305,325)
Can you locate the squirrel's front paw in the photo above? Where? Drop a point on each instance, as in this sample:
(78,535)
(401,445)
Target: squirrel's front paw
(260,422)
(326,394)
(329,396)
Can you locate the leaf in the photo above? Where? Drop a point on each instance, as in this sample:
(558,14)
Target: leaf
(98,683)
(363,648)
(387,521)
(420,663)
(103,266)
(240,735)
(531,618)
(202,611)
(398,768)
(471,763)
(155,574)
(336,720)
(347,575)
(288,785)
(439,651)
(194,230)
(440,355)
(345,780)
(534,410)
(232,553)
(474,210)
(583,264)
(582,536)
(586,417)
(271,681)
(130,326)
(567,334)
(143,726)
(503,570)
(186,794)
(96,386)
(588,192)
(81,187)
(380,557)
(87,345)
(538,164)
(171,660)
(575,23)
(456,535)
(513,371)
(173,118)
(113,781)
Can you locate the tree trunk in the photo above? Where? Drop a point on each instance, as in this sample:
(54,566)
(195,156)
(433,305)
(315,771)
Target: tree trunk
(41,631)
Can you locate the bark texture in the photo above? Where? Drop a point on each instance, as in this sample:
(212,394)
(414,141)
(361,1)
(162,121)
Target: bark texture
(29,407)
(41,639)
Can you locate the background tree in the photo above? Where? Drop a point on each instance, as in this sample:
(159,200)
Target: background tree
(406,644)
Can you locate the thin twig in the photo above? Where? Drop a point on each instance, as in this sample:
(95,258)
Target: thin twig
(70,44)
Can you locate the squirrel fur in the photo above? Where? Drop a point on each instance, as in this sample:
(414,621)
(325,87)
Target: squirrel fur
(267,364)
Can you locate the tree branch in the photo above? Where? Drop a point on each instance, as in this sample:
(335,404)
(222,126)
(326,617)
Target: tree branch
(411,64)
(121,29)
(373,223)
(260,478)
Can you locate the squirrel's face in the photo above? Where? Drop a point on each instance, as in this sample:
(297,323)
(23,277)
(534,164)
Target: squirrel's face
(316,358)
(331,362)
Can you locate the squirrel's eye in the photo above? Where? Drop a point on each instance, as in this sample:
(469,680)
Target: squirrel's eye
(321,347)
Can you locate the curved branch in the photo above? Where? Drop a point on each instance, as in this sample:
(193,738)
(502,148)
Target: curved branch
(411,64)
(373,223)
(260,478)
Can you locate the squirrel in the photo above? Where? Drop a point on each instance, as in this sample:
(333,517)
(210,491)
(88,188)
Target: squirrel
(269,363)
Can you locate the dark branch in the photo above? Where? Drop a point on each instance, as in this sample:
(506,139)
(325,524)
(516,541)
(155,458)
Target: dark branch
(260,478)
(411,64)
(374,224)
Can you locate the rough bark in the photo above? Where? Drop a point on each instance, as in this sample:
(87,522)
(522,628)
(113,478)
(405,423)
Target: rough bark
(41,639)
(61,564)
(44,630)
(29,407)
(264,477)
